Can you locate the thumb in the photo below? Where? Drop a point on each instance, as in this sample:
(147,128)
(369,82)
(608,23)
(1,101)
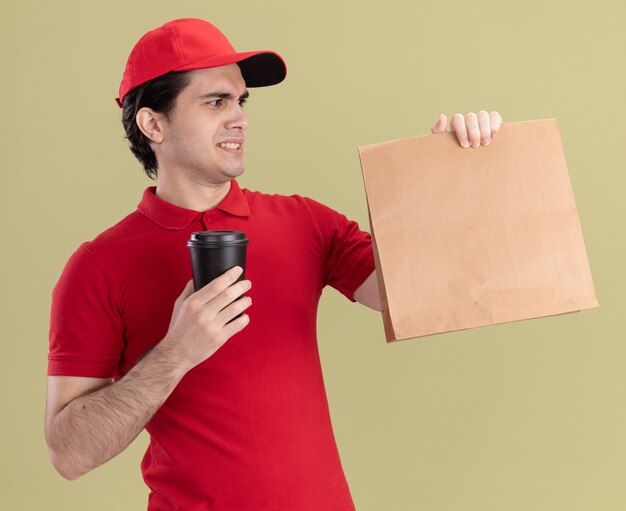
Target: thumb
(187,292)
(440,125)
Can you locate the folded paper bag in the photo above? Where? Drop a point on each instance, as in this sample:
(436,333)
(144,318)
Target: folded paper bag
(473,237)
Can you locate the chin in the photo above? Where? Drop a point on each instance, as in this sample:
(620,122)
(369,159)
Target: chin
(233,173)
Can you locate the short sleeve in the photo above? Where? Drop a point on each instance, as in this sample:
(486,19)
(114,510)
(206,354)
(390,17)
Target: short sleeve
(86,330)
(348,249)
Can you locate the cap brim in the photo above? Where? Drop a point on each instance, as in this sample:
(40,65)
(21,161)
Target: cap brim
(262,69)
(258,68)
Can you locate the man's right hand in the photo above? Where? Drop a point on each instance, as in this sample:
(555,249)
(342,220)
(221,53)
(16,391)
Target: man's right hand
(201,321)
(91,420)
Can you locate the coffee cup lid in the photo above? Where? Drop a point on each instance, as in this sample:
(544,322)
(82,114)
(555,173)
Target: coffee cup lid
(221,238)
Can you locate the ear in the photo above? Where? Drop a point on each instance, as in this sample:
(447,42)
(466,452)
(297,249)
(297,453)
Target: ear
(151,124)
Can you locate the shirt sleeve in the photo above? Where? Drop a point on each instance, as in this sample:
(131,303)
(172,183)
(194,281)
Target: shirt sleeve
(348,249)
(86,330)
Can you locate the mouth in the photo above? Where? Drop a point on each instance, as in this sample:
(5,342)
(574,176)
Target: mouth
(231,147)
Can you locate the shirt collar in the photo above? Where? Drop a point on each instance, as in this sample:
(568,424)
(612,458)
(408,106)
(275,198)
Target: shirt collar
(171,216)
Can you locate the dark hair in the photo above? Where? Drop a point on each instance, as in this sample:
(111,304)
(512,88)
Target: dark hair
(160,95)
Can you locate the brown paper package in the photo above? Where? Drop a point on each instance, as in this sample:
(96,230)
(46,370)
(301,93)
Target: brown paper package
(466,238)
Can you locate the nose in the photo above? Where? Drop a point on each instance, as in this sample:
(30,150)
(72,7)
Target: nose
(237,118)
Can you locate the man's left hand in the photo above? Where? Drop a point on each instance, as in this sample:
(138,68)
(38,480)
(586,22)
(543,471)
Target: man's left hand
(472,129)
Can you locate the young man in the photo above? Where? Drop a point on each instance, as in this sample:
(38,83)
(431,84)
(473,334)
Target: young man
(236,410)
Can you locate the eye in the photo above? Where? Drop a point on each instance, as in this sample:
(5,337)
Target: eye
(215,102)
(242,101)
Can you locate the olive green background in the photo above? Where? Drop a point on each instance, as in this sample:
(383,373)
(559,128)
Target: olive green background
(522,416)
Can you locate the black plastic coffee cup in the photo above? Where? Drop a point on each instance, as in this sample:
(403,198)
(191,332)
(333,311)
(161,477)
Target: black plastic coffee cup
(215,252)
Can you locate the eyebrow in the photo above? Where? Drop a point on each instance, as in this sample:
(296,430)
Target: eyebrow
(223,95)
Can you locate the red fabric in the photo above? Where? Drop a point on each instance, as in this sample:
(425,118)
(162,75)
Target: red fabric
(248,429)
(190,43)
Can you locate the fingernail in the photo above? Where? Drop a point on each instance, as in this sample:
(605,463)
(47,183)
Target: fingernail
(465,144)
(486,142)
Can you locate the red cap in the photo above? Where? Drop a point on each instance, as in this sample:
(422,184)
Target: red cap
(191,43)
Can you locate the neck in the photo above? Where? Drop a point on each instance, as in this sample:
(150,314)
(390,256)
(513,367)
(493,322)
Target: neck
(194,196)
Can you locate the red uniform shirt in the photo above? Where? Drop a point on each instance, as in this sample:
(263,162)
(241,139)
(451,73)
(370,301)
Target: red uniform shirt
(249,428)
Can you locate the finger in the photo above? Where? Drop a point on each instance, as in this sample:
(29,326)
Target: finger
(237,325)
(473,130)
(496,123)
(233,310)
(440,125)
(458,126)
(228,296)
(484,126)
(218,285)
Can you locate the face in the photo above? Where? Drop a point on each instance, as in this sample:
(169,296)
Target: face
(203,137)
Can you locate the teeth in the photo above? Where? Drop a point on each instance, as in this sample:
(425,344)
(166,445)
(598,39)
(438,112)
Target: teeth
(229,145)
